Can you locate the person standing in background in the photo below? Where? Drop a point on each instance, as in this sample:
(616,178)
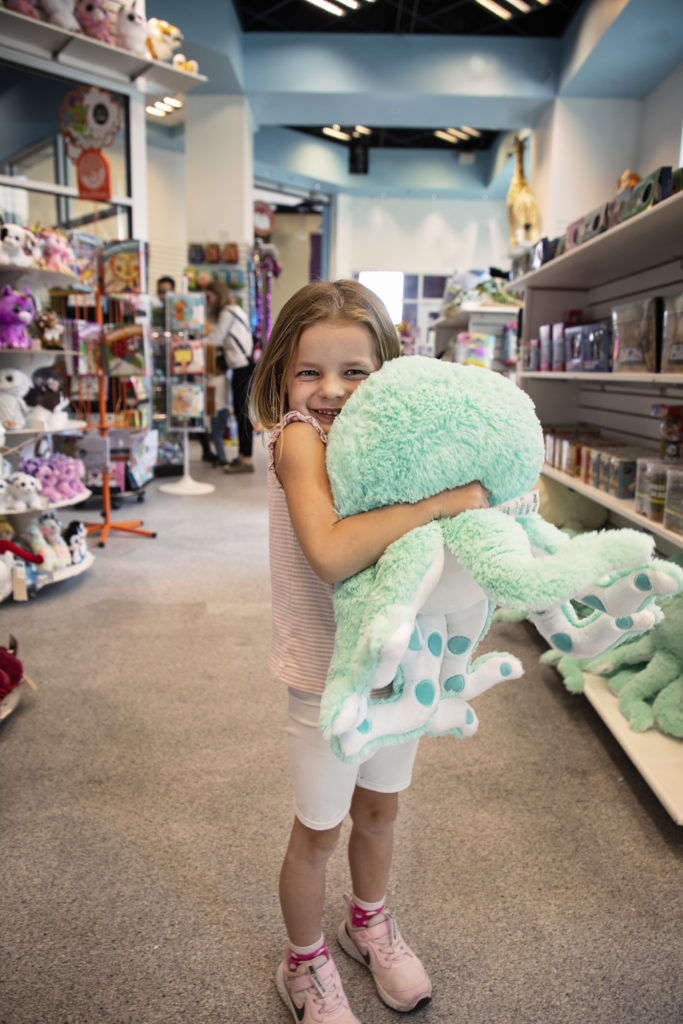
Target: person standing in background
(230,332)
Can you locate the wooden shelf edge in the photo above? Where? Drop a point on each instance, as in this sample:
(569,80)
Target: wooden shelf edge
(658,757)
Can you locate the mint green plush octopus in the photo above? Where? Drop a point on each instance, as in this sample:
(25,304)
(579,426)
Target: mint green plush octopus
(408,626)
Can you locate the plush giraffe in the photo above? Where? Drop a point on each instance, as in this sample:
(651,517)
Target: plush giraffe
(520,203)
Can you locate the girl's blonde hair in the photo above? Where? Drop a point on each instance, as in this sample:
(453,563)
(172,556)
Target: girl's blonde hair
(345,300)
(224,297)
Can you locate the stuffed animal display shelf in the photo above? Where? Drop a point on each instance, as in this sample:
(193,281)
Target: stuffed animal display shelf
(409,625)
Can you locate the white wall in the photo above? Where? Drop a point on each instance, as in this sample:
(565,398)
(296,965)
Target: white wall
(661,139)
(423,236)
(166,213)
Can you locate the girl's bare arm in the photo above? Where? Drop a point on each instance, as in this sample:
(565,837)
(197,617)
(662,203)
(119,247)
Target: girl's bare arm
(339,548)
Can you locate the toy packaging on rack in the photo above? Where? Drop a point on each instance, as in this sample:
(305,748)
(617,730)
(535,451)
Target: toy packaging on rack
(186,312)
(126,350)
(86,251)
(672,335)
(186,356)
(636,330)
(124,267)
(187,403)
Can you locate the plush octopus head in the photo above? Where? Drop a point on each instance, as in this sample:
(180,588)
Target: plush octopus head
(419,426)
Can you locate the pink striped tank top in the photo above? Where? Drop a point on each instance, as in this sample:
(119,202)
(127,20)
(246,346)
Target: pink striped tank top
(303,617)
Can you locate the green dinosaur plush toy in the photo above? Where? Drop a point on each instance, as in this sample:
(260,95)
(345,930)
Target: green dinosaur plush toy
(409,625)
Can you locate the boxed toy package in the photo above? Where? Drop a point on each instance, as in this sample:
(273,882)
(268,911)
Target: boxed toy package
(186,312)
(124,267)
(126,350)
(651,488)
(596,346)
(673,501)
(672,334)
(636,333)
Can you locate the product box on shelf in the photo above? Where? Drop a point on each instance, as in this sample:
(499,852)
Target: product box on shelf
(594,223)
(647,193)
(651,488)
(557,354)
(596,347)
(672,334)
(673,501)
(636,332)
(124,267)
(573,347)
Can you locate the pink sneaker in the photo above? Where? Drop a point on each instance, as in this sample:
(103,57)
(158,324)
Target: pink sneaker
(400,978)
(314,993)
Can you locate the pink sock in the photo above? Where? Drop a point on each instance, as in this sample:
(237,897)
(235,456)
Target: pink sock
(362,912)
(300,954)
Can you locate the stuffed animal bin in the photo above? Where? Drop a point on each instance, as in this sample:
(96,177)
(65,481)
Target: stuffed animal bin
(408,626)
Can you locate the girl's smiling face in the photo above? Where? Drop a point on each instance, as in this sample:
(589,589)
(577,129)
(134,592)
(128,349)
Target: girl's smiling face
(332,358)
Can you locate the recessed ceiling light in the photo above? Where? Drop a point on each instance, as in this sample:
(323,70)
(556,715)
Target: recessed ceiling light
(173,101)
(446,137)
(326,6)
(362,130)
(154,112)
(521,5)
(494,8)
(335,133)
(163,106)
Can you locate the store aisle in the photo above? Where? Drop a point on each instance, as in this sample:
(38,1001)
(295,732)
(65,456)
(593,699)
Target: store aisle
(144,808)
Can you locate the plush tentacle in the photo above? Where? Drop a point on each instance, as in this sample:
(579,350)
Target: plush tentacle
(591,636)
(497,550)
(662,670)
(403,715)
(668,708)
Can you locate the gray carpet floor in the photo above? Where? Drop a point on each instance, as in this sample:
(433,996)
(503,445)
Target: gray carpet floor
(144,810)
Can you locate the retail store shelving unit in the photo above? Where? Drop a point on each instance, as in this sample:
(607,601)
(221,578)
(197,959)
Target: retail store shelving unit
(640,258)
(34,41)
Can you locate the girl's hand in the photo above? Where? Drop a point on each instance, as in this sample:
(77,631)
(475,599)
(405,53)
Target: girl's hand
(460,499)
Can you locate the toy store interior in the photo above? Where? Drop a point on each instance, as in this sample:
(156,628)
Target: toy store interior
(508,178)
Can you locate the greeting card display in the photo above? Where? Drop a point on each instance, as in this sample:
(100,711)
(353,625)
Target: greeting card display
(83,344)
(126,350)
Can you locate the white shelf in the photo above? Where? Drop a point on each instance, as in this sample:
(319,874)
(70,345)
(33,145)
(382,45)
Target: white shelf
(37,277)
(68,573)
(611,378)
(658,757)
(461,319)
(66,503)
(38,39)
(66,428)
(649,240)
(625,507)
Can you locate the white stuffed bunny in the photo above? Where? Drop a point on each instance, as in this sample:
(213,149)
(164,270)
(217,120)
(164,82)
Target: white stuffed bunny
(61,12)
(131,30)
(14,384)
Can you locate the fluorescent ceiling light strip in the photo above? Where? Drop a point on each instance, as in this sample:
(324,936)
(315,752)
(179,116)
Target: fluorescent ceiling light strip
(173,101)
(362,130)
(154,112)
(471,131)
(458,133)
(446,137)
(330,8)
(521,5)
(353,4)
(336,134)
(544,2)
(494,8)
(163,106)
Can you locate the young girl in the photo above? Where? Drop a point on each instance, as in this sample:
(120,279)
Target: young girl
(327,340)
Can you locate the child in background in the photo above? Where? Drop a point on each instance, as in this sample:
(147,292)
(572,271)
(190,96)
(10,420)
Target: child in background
(327,340)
